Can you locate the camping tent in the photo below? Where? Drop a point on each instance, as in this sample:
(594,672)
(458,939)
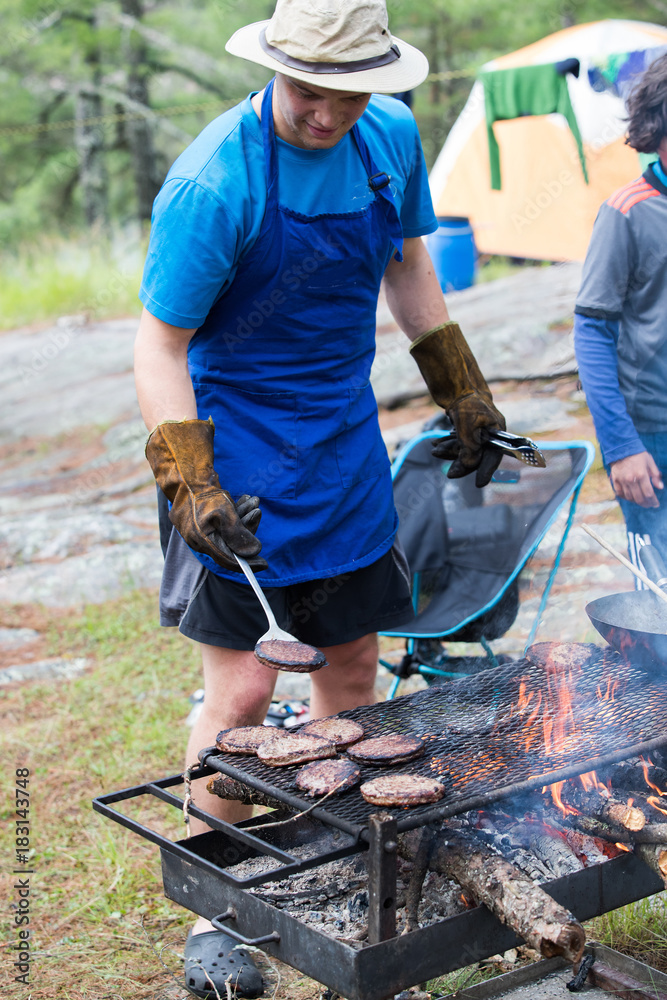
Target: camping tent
(545,209)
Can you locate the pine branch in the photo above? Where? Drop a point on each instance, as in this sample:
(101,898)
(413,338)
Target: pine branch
(163,42)
(201,81)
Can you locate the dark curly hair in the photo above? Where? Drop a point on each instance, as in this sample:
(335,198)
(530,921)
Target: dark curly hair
(647,108)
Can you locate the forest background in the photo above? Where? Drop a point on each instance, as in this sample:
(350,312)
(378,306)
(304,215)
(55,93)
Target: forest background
(99,98)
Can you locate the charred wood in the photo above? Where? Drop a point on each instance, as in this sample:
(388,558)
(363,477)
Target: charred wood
(630,777)
(512,896)
(503,839)
(229,788)
(539,849)
(591,850)
(415,885)
(554,850)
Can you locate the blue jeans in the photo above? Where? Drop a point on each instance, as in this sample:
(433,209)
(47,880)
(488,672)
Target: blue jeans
(649,522)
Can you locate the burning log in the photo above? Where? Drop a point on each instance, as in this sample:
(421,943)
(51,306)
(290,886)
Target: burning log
(546,842)
(508,839)
(637,776)
(596,828)
(652,833)
(229,788)
(592,850)
(508,893)
(655,856)
(552,848)
(600,804)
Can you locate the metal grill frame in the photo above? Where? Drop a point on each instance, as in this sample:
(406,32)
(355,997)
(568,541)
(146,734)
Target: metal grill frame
(380,968)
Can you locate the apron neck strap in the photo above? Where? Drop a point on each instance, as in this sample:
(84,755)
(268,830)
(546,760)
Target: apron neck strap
(378,181)
(269,141)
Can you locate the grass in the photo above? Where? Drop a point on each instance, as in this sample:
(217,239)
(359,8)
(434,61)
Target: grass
(56,276)
(96,888)
(101,924)
(638,930)
(491,267)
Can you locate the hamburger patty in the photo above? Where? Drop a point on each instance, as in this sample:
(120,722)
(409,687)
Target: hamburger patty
(246,739)
(342,732)
(561,655)
(296,657)
(322,776)
(293,748)
(402,790)
(390,748)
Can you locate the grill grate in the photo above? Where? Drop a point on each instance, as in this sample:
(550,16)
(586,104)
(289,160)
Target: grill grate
(488,736)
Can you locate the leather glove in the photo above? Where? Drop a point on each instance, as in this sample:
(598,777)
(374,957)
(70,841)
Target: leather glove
(456,384)
(180,454)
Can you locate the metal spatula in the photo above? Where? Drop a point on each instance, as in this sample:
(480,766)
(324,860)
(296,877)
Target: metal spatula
(276,648)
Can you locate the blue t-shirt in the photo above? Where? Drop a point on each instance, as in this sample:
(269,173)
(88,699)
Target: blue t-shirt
(209,211)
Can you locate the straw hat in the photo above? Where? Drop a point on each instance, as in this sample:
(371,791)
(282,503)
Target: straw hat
(337,44)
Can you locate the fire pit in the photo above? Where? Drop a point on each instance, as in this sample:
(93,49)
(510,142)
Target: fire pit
(499,737)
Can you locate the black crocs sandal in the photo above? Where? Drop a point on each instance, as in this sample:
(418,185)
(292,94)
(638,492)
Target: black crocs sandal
(212,957)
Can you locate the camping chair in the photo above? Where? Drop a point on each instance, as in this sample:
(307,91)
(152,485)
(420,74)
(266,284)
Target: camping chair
(467,546)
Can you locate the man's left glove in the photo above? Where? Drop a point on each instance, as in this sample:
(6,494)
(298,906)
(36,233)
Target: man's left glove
(180,454)
(456,384)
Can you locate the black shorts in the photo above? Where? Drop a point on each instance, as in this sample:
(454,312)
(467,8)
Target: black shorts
(320,612)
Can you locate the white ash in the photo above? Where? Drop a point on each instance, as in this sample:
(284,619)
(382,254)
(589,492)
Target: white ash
(318,845)
(334,898)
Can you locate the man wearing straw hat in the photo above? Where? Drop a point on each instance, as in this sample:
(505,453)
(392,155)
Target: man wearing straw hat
(270,239)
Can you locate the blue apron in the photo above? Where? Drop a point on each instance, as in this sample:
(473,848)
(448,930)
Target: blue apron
(282,364)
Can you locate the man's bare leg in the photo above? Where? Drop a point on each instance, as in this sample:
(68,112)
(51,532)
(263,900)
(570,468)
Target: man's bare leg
(238,693)
(349,679)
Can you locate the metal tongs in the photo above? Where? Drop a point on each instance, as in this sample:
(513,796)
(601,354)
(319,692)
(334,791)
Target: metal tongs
(523,448)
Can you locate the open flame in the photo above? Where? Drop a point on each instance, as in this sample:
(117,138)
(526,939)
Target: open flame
(610,692)
(556,790)
(645,767)
(592,783)
(558,722)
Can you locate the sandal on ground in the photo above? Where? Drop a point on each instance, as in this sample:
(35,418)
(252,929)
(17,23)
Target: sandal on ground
(210,958)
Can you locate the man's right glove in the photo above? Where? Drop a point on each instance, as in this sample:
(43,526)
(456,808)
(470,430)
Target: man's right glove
(180,454)
(456,384)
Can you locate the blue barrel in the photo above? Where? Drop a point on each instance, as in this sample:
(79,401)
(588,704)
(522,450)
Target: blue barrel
(452,250)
